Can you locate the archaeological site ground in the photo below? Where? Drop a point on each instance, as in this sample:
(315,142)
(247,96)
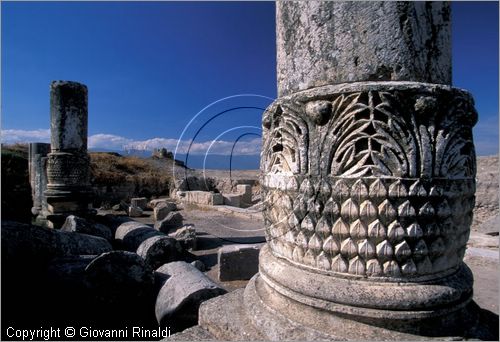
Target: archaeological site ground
(371,216)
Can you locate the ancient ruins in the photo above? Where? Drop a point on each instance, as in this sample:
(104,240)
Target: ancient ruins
(67,163)
(356,227)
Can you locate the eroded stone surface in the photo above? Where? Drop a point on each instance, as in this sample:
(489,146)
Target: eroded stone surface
(172,221)
(38,177)
(68,189)
(141,202)
(378,190)
(202,197)
(162,209)
(182,293)
(134,211)
(130,235)
(79,225)
(158,250)
(331,42)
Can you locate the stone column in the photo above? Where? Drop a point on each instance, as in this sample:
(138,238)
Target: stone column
(68,190)
(38,177)
(368,171)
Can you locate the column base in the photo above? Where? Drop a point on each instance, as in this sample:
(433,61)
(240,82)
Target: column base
(260,313)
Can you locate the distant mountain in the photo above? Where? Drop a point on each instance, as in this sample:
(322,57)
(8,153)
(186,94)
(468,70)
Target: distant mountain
(213,161)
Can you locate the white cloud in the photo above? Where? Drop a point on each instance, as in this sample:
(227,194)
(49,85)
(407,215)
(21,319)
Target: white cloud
(116,142)
(108,141)
(10,136)
(251,147)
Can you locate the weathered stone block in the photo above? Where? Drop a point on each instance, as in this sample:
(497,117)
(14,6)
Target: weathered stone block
(172,221)
(119,276)
(182,293)
(238,262)
(246,194)
(186,236)
(38,176)
(140,202)
(134,211)
(199,265)
(203,197)
(79,225)
(162,209)
(130,235)
(158,250)
(153,203)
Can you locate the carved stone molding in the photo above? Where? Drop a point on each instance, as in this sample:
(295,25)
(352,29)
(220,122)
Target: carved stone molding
(368,195)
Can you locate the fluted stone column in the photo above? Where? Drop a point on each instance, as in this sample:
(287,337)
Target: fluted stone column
(38,179)
(68,191)
(368,171)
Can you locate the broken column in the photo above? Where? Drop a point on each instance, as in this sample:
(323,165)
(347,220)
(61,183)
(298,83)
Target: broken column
(38,179)
(368,171)
(68,190)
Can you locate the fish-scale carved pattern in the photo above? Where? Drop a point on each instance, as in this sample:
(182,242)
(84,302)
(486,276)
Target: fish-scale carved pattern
(373,227)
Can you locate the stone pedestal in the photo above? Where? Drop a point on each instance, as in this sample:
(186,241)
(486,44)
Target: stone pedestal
(68,190)
(368,180)
(38,179)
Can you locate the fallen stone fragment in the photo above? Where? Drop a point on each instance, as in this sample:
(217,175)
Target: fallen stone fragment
(69,271)
(199,265)
(162,209)
(158,250)
(130,235)
(79,225)
(156,202)
(186,236)
(140,202)
(134,211)
(24,242)
(119,275)
(238,262)
(172,221)
(182,293)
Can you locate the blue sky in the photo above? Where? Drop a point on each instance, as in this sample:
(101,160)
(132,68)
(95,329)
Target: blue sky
(152,67)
